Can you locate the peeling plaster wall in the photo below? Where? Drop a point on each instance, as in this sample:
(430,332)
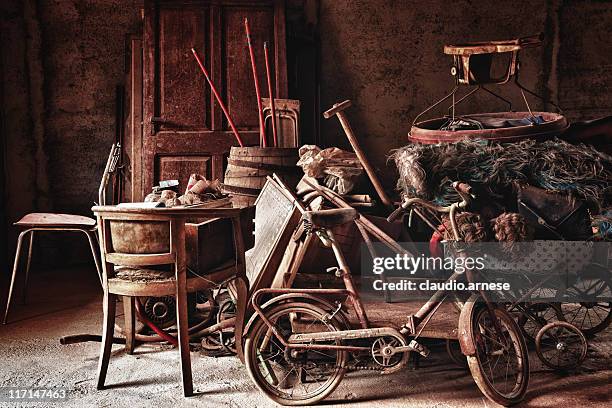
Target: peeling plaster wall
(386,56)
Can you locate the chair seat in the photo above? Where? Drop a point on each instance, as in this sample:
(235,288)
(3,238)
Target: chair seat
(134,281)
(52,220)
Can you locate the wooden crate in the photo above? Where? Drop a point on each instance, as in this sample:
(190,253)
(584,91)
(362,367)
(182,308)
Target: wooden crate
(209,243)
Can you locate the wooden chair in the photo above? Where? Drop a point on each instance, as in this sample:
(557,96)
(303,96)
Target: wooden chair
(142,238)
(52,222)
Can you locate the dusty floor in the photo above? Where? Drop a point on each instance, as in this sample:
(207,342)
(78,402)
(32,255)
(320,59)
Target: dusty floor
(68,302)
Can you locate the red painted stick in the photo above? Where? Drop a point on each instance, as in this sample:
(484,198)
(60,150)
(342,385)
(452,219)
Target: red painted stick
(262,135)
(271,94)
(214,91)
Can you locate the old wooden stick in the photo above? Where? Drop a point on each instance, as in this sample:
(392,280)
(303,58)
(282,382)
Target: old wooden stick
(262,135)
(214,91)
(338,110)
(272,109)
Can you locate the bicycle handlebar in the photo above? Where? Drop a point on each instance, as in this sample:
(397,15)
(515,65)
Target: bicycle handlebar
(463,189)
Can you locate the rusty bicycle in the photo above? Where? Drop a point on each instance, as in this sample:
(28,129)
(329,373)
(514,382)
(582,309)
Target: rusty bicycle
(300,343)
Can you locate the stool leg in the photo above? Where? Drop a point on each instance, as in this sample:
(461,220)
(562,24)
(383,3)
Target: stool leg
(27,271)
(15,265)
(130,324)
(108,328)
(94,253)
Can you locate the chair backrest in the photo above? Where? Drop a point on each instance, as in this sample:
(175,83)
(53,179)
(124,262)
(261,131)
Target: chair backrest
(109,170)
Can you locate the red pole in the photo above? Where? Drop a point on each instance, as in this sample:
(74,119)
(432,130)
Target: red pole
(271,94)
(262,135)
(214,91)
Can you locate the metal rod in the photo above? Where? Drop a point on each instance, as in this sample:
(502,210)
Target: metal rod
(218,97)
(272,108)
(262,135)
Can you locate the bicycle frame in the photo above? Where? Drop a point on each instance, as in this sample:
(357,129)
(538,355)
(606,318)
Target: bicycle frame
(415,323)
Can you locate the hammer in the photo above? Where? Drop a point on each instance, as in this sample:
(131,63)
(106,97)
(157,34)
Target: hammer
(338,110)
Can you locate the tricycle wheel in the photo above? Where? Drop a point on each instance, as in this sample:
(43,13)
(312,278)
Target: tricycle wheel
(561,346)
(500,364)
(293,376)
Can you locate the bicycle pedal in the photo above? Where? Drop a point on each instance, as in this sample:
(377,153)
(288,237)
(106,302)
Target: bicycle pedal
(419,348)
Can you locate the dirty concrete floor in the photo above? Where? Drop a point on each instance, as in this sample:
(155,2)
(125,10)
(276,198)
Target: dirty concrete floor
(68,302)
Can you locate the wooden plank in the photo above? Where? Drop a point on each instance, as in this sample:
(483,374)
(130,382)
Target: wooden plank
(135,119)
(140,259)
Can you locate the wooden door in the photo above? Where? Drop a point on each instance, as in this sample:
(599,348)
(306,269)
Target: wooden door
(184,130)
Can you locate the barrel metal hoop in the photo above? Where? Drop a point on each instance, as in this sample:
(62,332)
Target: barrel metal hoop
(262,166)
(240,190)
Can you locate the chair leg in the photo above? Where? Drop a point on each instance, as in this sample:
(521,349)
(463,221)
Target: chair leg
(130,324)
(94,253)
(15,266)
(182,324)
(108,328)
(183,340)
(242,290)
(27,271)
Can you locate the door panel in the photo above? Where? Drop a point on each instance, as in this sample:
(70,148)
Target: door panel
(181,167)
(242,101)
(183,99)
(183,130)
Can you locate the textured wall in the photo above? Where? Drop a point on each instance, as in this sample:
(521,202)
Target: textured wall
(387,57)
(61,63)
(62,59)
(84,54)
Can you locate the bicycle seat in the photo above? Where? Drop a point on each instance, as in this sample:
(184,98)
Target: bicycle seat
(331,218)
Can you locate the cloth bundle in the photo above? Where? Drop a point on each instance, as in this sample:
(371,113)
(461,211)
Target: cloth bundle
(340,170)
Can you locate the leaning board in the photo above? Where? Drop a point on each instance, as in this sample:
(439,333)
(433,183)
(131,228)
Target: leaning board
(274,210)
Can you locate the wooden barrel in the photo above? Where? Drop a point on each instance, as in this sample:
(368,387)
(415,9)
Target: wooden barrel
(248,167)
(428,131)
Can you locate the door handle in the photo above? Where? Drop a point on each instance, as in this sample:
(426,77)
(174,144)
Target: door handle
(156,120)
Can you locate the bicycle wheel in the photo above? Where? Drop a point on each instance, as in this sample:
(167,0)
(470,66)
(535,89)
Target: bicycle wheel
(291,376)
(561,346)
(500,365)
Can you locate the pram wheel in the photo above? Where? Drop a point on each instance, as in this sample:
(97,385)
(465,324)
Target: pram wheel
(536,315)
(291,376)
(590,317)
(561,346)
